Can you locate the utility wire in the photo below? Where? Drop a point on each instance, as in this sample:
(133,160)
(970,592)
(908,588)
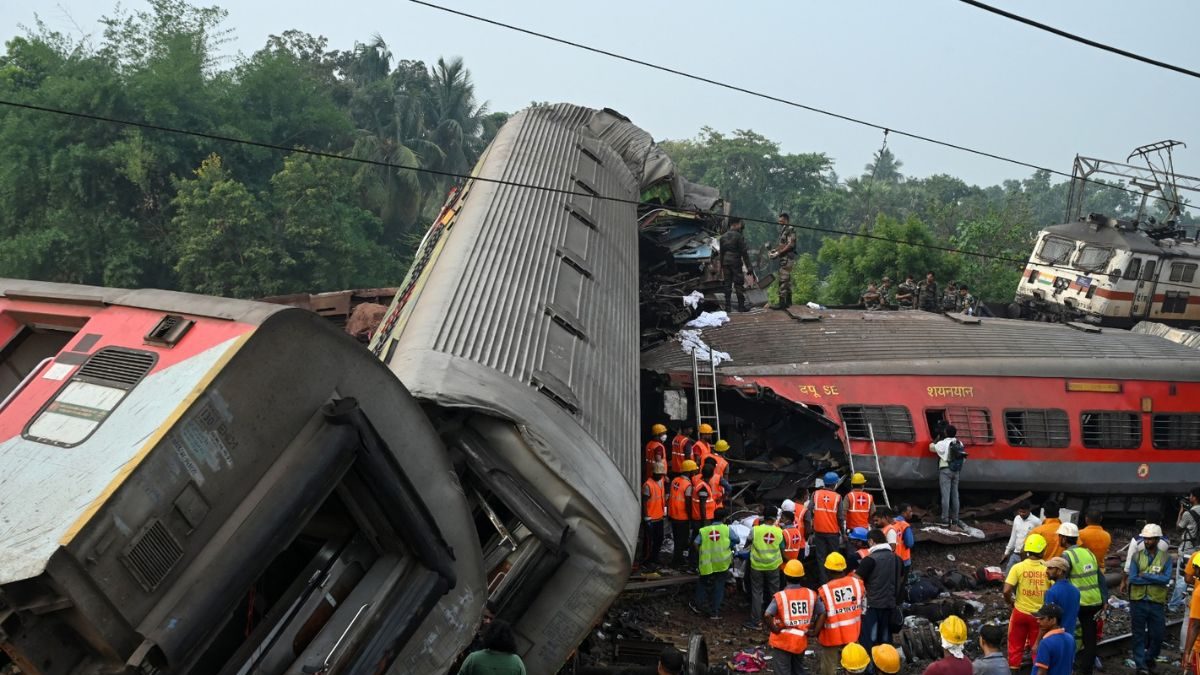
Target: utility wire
(499,181)
(1079,39)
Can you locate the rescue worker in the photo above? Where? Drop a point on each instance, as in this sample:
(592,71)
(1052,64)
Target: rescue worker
(1048,530)
(679,510)
(885,292)
(766,557)
(928,297)
(734,255)
(905,541)
(654,510)
(1094,538)
(785,252)
(794,614)
(824,522)
(793,533)
(1191,640)
(1149,574)
(715,543)
(706,495)
(844,599)
(898,536)
(656,451)
(853,658)
(858,542)
(859,505)
(1086,575)
(1023,524)
(954,660)
(1024,588)
(681,450)
(965,302)
(906,293)
(950,297)
(886,659)
(718,455)
(702,448)
(870,298)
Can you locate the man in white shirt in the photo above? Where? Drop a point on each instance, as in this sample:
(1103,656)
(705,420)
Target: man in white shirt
(1023,524)
(947,478)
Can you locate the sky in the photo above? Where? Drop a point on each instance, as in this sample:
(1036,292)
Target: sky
(937,68)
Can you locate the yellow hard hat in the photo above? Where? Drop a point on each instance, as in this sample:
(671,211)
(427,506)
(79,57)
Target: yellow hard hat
(658,429)
(953,630)
(854,658)
(886,658)
(721,446)
(793,568)
(1035,543)
(706,428)
(689,465)
(858,479)
(837,562)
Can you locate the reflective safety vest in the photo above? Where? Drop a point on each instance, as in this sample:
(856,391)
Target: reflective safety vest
(722,466)
(677,504)
(794,613)
(702,490)
(715,554)
(844,599)
(679,453)
(717,492)
(793,542)
(764,548)
(700,451)
(1083,575)
(864,552)
(656,505)
(1152,592)
(655,452)
(825,511)
(858,509)
(902,550)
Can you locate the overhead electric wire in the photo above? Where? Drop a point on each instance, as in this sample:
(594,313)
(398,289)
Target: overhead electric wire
(509,183)
(1077,38)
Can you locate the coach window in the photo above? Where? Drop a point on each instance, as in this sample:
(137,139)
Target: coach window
(1046,428)
(886,422)
(1175,302)
(1114,429)
(1056,249)
(973,425)
(1185,272)
(1135,267)
(1176,431)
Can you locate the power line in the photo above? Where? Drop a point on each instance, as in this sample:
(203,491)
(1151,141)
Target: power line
(499,181)
(1079,39)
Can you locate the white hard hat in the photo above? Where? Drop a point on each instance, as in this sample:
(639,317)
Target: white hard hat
(1068,530)
(1151,531)
(788,506)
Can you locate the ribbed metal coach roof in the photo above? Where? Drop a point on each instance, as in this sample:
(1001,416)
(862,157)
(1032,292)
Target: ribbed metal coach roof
(767,342)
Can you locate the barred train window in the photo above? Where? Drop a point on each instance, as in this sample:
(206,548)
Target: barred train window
(974,425)
(1185,272)
(889,422)
(1176,431)
(1175,302)
(1037,428)
(1111,429)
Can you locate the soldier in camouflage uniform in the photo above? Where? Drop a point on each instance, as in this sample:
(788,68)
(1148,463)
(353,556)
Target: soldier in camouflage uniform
(885,292)
(906,293)
(950,297)
(870,297)
(966,301)
(734,256)
(928,297)
(786,253)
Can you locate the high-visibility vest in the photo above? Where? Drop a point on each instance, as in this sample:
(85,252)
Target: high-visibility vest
(677,503)
(764,548)
(864,552)
(716,491)
(679,453)
(701,489)
(794,609)
(655,452)
(700,451)
(715,554)
(656,506)
(722,466)
(1083,575)
(1152,592)
(793,542)
(858,509)
(902,549)
(825,511)
(844,599)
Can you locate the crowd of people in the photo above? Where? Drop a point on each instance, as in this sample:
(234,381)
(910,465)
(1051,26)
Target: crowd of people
(909,294)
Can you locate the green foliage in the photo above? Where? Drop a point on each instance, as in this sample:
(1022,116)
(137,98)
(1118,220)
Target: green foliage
(853,262)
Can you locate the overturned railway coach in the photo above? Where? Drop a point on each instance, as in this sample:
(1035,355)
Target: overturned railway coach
(1044,407)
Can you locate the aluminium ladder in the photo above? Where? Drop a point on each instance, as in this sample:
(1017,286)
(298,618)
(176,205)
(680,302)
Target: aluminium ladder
(704,391)
(873,460)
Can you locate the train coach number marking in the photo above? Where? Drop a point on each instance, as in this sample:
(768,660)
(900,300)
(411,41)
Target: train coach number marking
(1143,471)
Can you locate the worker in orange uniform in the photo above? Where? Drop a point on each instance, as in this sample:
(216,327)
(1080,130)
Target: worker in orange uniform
(1094,537)
(706,495)
(679,511)
(702,448)
(1049,529)
(899,536)
(858,504)
(656,450)
(824,522)
(654,510)
(718,455)
(794,546)
(795,613)
(844,598)
(681,450)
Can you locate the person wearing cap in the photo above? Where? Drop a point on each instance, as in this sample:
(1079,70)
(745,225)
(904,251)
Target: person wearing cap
(859,546)
(880,573)
(654,510)
(679,511)
(702,448)
(794,546)
(681,449)
(1056,650)
(1024,589)
(706,495)
(1062,592)
(886,659)
(1138,544)
(656,450)
(844,598)
(766,557)
(858,505)
(1149,575)
(1023,523)
(718,456)
(795,613)
(715,544)
(824,522)
(1049,527)
(1087,575)
(954,659)
(853,658)
(991,643)
(905,542)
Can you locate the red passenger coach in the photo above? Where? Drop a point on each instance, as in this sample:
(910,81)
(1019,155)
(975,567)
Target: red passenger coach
(1044,407)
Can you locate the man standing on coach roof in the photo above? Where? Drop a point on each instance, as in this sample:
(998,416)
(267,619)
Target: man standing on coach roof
(734,254)
(786,253)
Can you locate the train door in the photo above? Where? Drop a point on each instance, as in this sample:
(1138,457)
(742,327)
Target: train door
(1143,292)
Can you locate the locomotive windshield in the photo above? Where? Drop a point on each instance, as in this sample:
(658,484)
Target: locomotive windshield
(1091,258)
(1055,249)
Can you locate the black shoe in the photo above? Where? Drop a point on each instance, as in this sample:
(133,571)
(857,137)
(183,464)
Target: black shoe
(752,625)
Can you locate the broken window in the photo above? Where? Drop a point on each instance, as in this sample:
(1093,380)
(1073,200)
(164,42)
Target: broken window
(1111,429)
(1185,272)
(1176,431)
(1046,428)
(1175,302)
(973,425)
(1093,257)
(887,422)
(1055,249)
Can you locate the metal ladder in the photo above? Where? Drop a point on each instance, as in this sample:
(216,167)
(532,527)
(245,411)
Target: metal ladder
(704,391)
(873,459)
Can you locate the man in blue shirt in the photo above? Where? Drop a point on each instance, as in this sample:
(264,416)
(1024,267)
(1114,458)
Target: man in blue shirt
(1149,574)
(1062,592)
(1056,651)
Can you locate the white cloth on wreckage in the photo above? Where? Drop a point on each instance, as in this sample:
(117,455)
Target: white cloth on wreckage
(709,320)
(691,343)
(693,299)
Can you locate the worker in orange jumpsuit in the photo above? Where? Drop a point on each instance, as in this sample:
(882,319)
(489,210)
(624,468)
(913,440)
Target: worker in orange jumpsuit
(654,511)
(679,510)
(844,598)
(656,450)
(702,448)
(795,613)
(681,450)
(858,504)
(825,525)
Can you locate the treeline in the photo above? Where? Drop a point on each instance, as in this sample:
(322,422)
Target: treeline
(90,202)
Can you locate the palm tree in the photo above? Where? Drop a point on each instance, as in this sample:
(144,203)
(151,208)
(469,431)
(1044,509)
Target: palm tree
(884,168)
(454,118)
